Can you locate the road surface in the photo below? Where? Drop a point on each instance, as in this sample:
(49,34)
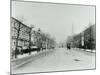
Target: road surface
(59,60)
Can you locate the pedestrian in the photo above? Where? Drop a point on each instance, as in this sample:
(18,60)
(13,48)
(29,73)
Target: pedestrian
(68,46)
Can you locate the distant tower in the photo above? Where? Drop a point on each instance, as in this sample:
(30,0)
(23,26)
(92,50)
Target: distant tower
(72,36)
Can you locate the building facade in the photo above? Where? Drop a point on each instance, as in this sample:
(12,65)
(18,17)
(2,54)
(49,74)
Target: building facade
(85,39)
(20,37)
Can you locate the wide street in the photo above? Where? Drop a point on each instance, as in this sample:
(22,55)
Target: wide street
(59,59)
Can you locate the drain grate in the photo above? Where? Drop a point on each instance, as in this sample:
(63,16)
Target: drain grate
(76,60)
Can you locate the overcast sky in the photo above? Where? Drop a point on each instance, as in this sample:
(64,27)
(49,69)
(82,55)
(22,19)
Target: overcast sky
(55,19)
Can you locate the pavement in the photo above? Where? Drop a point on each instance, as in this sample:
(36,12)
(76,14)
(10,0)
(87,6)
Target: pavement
(59,59)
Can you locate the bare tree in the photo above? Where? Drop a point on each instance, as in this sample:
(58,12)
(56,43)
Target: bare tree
(30,35)
(18,26)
